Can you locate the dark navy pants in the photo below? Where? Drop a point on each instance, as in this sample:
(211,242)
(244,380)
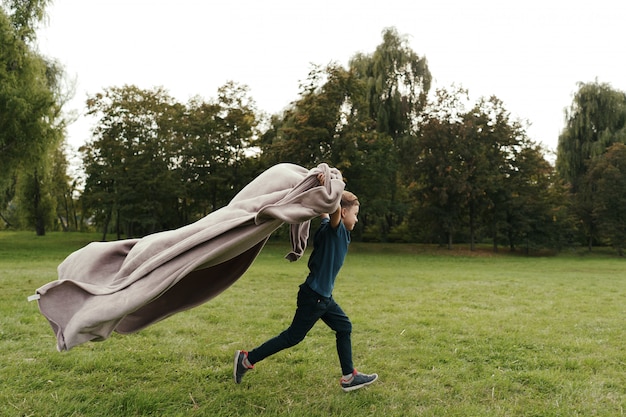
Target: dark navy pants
(311,308)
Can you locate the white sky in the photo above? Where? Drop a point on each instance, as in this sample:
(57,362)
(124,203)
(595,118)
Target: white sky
(530,54)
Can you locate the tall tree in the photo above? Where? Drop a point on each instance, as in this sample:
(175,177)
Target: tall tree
(198,158)
(595,120)
(477,172)
(357,119)
(394,82)
(29,110)
(31,125)
(64,191)
(216,142)
(439,175)
(35,199)
(496,147)
(397,82)
(155,164)
(238,122)
(128,162)
(26,15)
(532,213)
(607,176)
(307,132)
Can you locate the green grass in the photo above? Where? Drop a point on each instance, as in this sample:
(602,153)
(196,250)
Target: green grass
(449,333)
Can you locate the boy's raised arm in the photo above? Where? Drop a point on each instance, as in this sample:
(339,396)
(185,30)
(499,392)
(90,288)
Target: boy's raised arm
(335,217)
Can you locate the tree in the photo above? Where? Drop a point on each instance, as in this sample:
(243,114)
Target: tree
(357,119)
(238,132)
(155,164)
(29,111)
(63,191)
(439,175)
(26,15)
(607,175)
(532,212)
(506,170)
(198,157)
(215,145)
(595,120)
(477,173)
(307,132)
(128,162)
(34,198)
(393,82)
(397,82)
(7,212)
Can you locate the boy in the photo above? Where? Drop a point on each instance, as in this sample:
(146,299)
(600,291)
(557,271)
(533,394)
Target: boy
(315,300)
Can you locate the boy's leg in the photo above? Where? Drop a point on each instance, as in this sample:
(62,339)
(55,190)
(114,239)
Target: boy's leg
(338,321)
(307,313)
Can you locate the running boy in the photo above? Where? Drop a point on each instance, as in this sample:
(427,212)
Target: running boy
(315,301)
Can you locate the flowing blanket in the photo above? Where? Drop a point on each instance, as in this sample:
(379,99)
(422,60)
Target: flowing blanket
(126,285)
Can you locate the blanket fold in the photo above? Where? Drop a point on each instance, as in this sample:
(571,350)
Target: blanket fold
(126,285)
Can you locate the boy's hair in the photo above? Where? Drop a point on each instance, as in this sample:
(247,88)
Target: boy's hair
(348,200)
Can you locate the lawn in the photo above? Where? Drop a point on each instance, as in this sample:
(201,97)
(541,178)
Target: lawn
(451,333)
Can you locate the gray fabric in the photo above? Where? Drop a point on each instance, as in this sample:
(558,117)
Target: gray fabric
(126,285)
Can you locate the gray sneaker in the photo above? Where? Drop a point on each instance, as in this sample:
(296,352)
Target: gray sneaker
(357,381)
(239,369)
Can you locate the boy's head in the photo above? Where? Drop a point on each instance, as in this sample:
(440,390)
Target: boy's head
(349,209)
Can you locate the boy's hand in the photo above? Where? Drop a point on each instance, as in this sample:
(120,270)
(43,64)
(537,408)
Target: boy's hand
(322,179)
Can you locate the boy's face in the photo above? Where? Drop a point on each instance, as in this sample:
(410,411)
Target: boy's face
(349,216)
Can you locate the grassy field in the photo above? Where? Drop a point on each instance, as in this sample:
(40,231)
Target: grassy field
(449,333)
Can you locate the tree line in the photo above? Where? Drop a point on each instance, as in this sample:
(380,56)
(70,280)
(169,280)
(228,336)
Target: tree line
(427,166)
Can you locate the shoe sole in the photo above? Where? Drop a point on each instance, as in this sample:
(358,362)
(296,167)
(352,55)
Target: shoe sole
(235,366)
(356,387)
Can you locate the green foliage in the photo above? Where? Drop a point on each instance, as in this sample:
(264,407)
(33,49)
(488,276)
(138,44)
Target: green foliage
(477,173)
(214,146)
(450,333)
(310,131)
(64,191)
(127,164)
(359,120)
(439,175)
(31,126)
(28,105)
(531,206)
(595,120)
(36,200)
(607,176)
(397,82)
(26,15)
(156,164)
(7,209)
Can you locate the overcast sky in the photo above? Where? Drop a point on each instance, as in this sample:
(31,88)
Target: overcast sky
(530,54)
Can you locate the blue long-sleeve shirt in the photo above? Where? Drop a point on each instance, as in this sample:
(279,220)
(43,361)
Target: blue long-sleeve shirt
(330,247)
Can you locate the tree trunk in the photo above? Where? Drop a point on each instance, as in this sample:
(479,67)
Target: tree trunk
(106,226)
(40,226)
(118,230)
(472,224)
(64,226)
(4,219)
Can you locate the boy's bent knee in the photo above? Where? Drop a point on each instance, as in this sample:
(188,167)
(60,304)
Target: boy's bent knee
(344,330)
